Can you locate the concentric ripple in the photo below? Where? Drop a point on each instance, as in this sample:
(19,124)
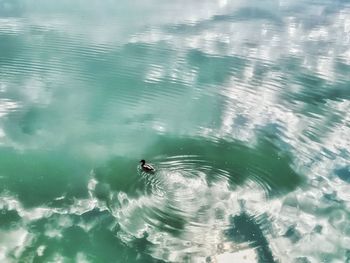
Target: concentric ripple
(180,213)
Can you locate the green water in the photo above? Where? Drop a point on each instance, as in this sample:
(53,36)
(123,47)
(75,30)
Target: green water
(242,107)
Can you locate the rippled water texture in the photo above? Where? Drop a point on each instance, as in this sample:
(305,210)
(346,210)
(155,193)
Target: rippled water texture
(243,107)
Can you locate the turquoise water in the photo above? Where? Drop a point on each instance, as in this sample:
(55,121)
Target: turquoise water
(242,107)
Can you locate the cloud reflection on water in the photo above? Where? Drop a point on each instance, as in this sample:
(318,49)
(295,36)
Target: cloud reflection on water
(277,68)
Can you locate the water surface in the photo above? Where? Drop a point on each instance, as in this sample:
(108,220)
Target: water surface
(243,108)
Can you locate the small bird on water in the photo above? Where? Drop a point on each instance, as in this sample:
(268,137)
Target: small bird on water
(147,167)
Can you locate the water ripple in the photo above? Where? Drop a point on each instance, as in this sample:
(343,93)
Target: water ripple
(178,204)
(242,106)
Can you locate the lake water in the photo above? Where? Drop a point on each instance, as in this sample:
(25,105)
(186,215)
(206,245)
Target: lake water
(243,107)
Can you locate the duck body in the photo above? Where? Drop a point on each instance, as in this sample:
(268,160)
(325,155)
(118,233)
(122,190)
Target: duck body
(147,167)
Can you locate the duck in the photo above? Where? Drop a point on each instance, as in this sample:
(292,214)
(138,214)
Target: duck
(147,167)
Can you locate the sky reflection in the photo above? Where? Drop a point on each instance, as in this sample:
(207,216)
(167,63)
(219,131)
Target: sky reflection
(97,80)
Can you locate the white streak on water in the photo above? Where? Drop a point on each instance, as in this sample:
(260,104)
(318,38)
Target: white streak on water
(7,105)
